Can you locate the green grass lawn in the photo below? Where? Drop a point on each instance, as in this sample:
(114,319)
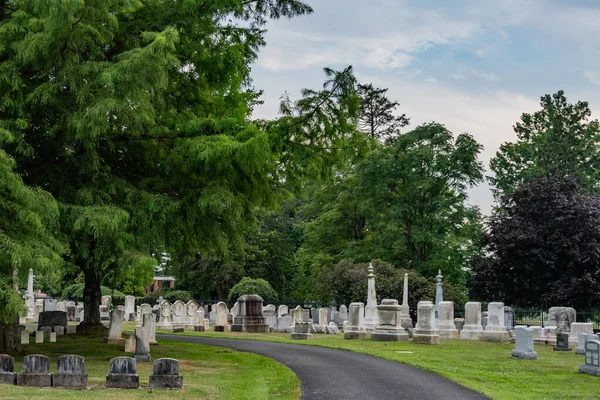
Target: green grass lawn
(482,366)
(208,372)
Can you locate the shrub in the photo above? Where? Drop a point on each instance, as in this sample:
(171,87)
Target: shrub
(75,293)
(253,286)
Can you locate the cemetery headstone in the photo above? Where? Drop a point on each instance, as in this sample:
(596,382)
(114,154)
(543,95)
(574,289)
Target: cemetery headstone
(270,314)
(60,306)
(179,314)
(580,327)
(70,372)
(371,315)
(406,319)
(165,320)
(130,308)
(390,323)
(323,317)
(250,315)
(47,330)
(166,375)
(52,337)
(332,329)
(581,339)
(445,322)
(305,314)
(523,344)
(50,305)
(7,370)
(302,331)
(142,347)
(130,344)
(592,358)
(472,329)
(562,318)
(115,332)
(35,371)
(282,310)
(24,337)
(52,318)
(39,337)
(356,325)
(562,342)
(71,330)
(495,330)
(424,331)
(221,318)
(122,374)
(191,314)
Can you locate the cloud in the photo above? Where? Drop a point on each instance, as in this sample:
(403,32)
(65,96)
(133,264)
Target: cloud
(430,79)
(593,77)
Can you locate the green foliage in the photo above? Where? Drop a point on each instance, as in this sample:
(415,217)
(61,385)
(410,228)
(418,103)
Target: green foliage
(11,304)
(346,282)
(559,140)
(75,293)
(376,116)
(134,116)
(253,286)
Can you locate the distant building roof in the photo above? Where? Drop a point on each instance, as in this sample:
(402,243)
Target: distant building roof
(164,278)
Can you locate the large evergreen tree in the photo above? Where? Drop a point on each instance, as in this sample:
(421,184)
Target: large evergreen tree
(134,116)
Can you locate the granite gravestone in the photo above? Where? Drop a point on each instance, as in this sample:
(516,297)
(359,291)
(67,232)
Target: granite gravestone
(35,371)
(562,342)
(592,358)
(302,331)
(166,375)
(445,322)
(115,332)
(355,329)
(122,374)
(523,344)
(472,329)
(7,370)
(495,330)
(70,372)
(582,338)
(424,331)
(250,315)
(561,317)
(390,323)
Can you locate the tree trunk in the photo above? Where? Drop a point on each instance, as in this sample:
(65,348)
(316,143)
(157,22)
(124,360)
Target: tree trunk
(10,338)
(92,295)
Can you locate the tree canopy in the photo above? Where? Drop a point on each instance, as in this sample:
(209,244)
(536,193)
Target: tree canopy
(559,140)
(542,247)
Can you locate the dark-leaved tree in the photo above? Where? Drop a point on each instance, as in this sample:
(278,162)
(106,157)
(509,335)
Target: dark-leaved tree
(376,117)
(542,247)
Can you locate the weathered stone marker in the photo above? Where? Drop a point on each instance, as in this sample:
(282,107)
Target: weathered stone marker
(495,331)
(122,374)
(35,371)
(424,331)
(472,329)
(562,318)
(592,358)
(356,326)
(581,339)
(39,337)
(250,317)
(130,344)
(25,336)
(166,375)
(390,323)
(523,344)
(332,329)
(562,342)
(302,331)
(445,322)
(7,370)
(115,331)
(70,372)
(52,318)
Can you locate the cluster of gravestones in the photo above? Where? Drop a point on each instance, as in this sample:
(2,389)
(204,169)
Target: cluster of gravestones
(71,373)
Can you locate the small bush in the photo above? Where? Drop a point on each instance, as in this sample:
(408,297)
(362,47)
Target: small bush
(75,293)
(253,286)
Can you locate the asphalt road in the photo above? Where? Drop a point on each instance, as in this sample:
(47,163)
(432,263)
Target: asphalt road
(337,374)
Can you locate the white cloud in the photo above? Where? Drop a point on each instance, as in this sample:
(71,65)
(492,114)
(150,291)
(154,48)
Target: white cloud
(430,79)
(593,77)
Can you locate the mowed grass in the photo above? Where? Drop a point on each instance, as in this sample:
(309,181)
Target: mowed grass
(208,372)
(482,366)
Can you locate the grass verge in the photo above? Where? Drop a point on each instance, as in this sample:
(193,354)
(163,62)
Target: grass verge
(208,372)
(482,366)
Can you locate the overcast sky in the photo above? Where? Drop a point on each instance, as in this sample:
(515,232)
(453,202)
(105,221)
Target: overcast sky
(473,65)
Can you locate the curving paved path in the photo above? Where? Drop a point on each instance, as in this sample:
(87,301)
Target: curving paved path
(338,374)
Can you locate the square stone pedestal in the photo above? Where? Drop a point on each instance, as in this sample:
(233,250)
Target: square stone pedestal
(301,336)
(471,335)
(355,334)
(8,378)
(165,382)
(122,381)
(35,379)
(426,339)
(70,380)
(389,336)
